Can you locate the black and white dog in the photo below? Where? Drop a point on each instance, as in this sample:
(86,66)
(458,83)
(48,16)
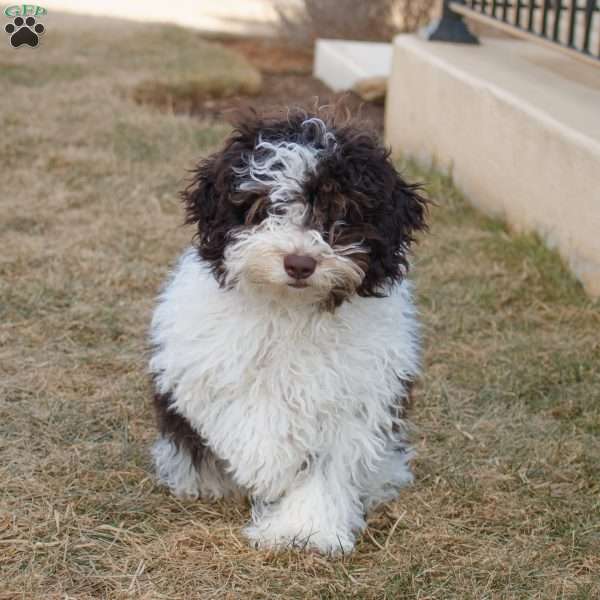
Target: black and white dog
(285,342)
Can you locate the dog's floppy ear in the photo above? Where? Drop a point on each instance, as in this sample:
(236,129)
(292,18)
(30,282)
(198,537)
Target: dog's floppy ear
(401,214)
(207,202)
(408,212)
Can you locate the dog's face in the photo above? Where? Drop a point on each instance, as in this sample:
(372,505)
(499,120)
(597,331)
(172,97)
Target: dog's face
(304,211)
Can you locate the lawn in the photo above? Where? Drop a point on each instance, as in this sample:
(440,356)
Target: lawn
(506,502)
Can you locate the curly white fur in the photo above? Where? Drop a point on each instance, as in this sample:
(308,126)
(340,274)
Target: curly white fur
(282,166)
(295,400)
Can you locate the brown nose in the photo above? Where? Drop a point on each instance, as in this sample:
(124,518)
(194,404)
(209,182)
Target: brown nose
(299,267)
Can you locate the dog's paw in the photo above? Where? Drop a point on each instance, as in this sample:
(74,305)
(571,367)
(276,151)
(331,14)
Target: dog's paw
(24,31)
(266,537)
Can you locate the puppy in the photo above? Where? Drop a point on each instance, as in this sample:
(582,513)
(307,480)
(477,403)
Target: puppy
(285,342)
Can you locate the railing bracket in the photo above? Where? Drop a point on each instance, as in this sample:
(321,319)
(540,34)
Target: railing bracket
(449,28)
(570,26)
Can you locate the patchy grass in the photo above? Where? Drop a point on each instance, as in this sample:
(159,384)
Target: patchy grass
(165,66)
(507,498)
(192,73)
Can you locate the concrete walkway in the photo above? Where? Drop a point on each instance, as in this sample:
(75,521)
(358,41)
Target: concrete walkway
(250,17)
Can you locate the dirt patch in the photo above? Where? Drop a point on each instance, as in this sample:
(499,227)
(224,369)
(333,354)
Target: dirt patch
(290,90)
(272,56)
(286,81)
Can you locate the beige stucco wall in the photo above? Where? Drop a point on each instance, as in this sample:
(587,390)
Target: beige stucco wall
(520,128)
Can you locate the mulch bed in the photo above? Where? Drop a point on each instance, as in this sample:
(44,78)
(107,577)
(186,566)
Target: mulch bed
(287,82)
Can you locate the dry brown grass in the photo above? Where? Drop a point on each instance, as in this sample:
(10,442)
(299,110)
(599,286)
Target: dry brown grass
(506,501)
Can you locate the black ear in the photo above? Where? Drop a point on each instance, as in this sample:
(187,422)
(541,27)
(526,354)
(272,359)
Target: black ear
(207,203)
(401,213)
(409,213)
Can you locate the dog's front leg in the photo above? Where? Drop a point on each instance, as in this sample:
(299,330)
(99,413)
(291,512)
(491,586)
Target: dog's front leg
(260,455)
(321,510)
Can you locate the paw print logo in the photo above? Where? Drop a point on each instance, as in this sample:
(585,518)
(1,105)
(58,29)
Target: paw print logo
(24,31)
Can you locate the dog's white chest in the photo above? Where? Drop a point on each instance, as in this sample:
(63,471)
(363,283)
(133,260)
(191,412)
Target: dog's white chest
(243,369)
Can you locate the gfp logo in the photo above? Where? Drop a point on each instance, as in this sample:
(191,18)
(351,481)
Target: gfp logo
(24,29)
(25,10)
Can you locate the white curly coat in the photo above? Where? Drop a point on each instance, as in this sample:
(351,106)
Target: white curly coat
(295,399)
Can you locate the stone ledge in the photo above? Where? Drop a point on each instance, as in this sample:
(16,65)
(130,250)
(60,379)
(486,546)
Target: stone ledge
(519,126)
(341,64)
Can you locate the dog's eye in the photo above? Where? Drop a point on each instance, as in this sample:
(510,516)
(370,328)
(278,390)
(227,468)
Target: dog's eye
(311,197)
(278,210)
(333,232)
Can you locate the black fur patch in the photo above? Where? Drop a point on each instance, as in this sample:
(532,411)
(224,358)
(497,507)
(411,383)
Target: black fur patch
(175,428)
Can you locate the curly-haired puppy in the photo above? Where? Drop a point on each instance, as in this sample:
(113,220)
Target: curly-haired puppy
(286,341)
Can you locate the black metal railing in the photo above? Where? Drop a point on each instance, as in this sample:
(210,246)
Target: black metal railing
(572,25)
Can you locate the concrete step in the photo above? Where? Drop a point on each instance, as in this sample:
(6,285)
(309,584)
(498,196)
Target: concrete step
(341,64)
(519,126)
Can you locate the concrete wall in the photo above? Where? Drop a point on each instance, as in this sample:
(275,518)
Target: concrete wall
(520,127)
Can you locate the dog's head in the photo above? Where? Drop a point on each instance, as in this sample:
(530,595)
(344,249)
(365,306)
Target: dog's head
(303,209)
